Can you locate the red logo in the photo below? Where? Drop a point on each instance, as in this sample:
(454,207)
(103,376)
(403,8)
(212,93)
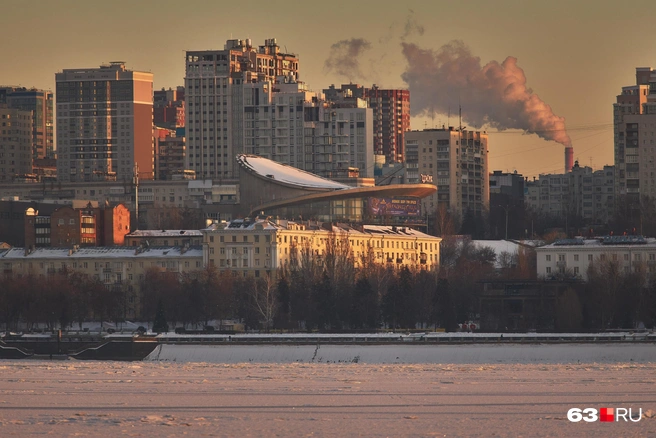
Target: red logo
(607,414)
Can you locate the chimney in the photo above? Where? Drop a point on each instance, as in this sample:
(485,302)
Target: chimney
(569,158)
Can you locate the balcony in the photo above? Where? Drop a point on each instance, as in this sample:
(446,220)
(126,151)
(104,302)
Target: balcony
(561,264)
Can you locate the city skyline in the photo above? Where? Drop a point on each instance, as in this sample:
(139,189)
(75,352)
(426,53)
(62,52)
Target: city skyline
(575,57)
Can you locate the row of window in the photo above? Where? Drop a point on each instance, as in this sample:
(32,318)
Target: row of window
(626,257)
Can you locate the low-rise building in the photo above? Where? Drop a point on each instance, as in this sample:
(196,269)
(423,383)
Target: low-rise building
(259,246)
(115,267)
(572,257)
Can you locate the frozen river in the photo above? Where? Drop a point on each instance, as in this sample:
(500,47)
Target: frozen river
(71,398)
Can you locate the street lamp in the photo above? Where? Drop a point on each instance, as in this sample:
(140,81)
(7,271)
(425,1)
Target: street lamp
(506,208)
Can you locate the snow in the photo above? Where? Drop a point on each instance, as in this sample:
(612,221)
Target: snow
(407,354)
(95,399)
(103,252)
(165,233)
(287,174)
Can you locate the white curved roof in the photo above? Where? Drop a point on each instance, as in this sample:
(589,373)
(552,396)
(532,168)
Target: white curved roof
(286,174)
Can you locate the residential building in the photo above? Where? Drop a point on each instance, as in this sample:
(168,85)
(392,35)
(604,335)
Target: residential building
(170,154)
(391,116)
(169,108)
(572,257)
(456,162)
(16,143)
(215,100)
(67,226)
(507,205)
(119,267)
(40,103)
(583,193)
(104,124)
(261,246)
(247,100)
(634,119)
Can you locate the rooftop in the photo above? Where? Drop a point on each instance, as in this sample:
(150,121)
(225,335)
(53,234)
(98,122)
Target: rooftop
(100,251)
(286,174)
(165,233)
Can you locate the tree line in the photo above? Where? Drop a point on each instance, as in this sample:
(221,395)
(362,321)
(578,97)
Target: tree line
(308,293)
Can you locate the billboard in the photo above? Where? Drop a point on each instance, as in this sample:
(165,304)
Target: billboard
(394,207)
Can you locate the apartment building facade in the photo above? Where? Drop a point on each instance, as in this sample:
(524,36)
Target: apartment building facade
(572,257)
(456,162)
(391,116)
(583,192)
(16,143)
(39,102)
(260,246)
(104,124)
(634,119)
(249,100)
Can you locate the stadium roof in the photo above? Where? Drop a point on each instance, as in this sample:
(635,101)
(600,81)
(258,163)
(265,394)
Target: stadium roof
(285,174)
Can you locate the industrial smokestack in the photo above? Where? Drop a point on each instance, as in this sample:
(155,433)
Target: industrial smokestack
(569,158)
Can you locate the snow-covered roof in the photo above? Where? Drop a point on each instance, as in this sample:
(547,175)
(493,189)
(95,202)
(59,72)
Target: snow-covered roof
(607,242)
(395,230)
(286,174)
(367,230)
(498,246)
(102,252)
(165,233)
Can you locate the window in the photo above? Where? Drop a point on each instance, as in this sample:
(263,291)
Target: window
(576,258)
(589,257)
(548,270)
(548,257)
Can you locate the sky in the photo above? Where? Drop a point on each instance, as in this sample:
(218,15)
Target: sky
(575,55)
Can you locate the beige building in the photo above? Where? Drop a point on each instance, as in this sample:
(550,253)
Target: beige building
(15,143)
(104,123)
(214,95)
(634,117)
(248,100)
(260,246)
(115,267)
(456,162)
(571,257)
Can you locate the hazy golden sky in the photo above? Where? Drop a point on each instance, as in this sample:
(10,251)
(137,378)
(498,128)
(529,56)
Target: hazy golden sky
(576,54)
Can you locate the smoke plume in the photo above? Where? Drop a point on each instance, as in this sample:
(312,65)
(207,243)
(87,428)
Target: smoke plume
(412,26)
(344,58)
(494,94)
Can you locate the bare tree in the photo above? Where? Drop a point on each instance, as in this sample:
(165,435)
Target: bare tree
(264,299)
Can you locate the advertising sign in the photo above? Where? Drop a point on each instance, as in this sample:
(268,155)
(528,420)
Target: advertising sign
(394,207)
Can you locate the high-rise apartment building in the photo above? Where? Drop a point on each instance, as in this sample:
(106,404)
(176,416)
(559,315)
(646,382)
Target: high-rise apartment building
(40,103)
(248,100)
(214,98)
(169,108)
(585,193)
(456,162)
(634,117)
(104,123)
(391,116)
(15,143)
(170,154)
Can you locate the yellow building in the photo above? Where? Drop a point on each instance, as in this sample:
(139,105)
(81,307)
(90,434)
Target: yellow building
(259,246)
